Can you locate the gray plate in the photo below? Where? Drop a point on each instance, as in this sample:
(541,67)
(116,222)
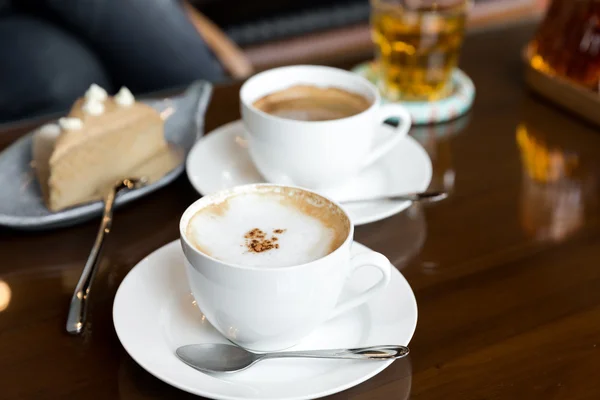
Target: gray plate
(21,203)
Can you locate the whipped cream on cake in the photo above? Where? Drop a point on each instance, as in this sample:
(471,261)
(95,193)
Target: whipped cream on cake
(124,98)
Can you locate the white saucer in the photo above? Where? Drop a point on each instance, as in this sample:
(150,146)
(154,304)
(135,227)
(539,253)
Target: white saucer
(220,160)
(154,313)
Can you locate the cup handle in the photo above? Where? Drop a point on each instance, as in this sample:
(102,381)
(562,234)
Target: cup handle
(370,259)
(404,122)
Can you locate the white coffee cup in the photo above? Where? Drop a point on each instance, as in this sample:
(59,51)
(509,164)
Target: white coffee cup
(269,309)
(317,154)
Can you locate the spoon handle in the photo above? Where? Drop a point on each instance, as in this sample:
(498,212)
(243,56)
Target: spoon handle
(78,307)
(390,352)
(426,197)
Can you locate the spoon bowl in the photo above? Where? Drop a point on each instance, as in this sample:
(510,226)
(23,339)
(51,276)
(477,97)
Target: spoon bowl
(209,357)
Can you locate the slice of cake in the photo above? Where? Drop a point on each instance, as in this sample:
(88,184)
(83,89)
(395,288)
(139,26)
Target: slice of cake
(102,140)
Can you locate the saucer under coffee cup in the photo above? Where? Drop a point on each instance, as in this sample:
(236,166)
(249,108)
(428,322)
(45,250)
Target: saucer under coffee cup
(315,126)
(275,268)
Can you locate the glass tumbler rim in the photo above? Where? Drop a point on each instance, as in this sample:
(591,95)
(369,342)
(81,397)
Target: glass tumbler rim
(460,6)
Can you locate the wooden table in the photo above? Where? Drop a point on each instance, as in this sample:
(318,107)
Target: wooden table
(506,271)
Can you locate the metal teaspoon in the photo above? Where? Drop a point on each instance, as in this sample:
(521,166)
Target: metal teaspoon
(424,197)
(209,357)
(78,307)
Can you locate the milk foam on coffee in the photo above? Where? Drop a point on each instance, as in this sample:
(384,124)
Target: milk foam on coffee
(268,229)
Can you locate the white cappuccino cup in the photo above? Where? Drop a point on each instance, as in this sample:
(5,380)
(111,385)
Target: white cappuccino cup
(317,154)
(268,300)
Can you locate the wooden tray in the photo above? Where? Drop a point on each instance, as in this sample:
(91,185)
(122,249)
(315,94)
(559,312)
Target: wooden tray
(579,100)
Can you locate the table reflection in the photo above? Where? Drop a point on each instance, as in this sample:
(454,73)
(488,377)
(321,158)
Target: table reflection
(436,139)
(410,232)
(558,186)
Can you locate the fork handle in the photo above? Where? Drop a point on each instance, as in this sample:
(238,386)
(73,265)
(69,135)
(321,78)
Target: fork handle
(79,300)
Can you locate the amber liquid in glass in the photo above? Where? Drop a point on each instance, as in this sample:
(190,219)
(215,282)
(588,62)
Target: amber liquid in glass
(417,49)
(568,42)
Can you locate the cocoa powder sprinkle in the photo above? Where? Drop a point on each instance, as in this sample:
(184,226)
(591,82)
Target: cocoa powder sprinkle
(258,242)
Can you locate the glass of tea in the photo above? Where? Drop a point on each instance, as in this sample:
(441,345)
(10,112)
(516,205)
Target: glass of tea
(417,44)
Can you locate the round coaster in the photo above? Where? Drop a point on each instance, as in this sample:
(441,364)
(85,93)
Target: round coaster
(431,112)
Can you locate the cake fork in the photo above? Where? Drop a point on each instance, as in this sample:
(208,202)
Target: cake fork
(78,307)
